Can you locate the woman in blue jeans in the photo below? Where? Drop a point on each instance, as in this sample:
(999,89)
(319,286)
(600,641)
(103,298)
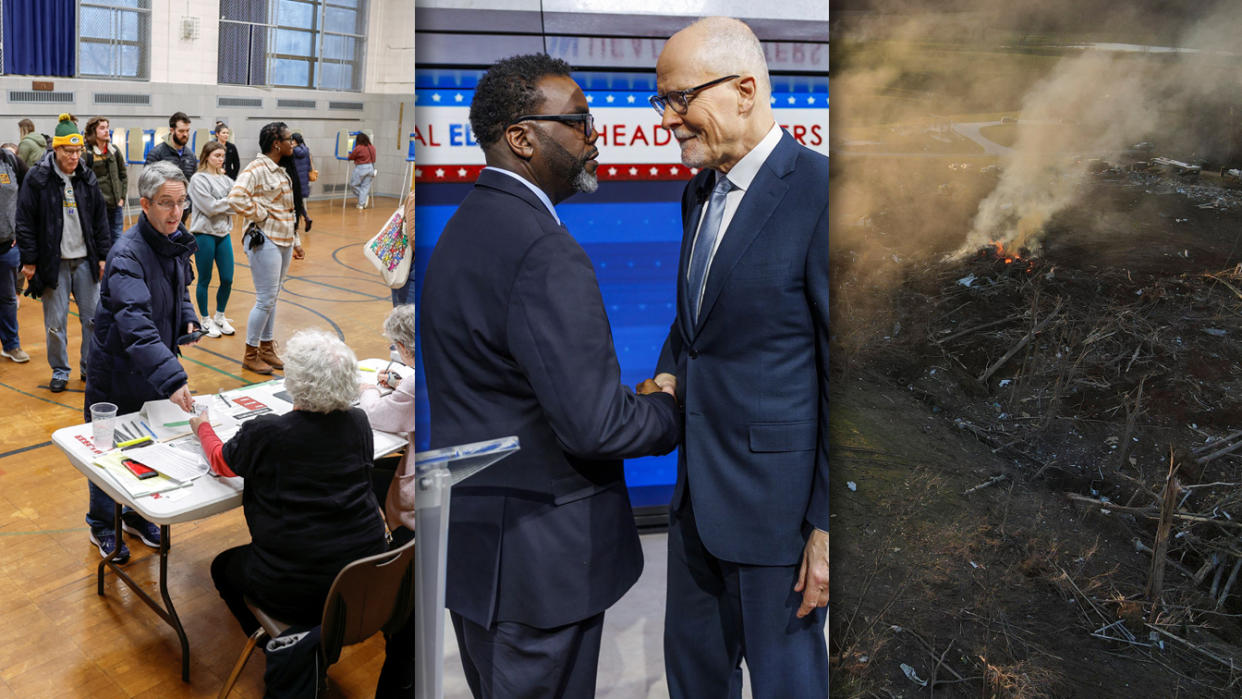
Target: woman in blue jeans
(363,156)
(211,222)
(263,195)
(12,172)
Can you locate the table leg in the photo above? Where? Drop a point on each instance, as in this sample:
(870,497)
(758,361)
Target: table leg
(167,612)
(172,618)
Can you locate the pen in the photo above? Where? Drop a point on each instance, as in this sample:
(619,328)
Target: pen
(179,423)
(134,442)
(147,427)
(220,395)
(366,368)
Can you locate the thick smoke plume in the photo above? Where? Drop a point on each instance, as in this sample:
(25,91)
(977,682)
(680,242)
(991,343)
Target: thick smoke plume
(1096,105)
(1062,65)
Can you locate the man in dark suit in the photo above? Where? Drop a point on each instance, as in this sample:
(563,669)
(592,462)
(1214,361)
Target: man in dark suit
(515,340)
(748,356)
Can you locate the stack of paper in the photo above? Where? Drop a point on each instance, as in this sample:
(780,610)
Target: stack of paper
(111,462)
(171,463)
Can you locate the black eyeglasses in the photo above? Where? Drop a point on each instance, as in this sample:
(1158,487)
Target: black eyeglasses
(679,100)
(587,121)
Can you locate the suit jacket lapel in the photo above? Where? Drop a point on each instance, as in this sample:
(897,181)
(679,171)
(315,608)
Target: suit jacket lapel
(758,203)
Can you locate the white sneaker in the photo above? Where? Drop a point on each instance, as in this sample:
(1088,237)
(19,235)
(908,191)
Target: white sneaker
(222,323)
(210,327)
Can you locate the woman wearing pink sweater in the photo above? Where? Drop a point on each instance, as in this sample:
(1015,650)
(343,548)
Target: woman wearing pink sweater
(395,413)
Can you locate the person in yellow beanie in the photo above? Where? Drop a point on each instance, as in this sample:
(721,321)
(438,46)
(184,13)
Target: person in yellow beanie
(64,237)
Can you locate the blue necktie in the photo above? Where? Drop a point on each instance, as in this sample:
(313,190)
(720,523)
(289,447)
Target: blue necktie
(705,243)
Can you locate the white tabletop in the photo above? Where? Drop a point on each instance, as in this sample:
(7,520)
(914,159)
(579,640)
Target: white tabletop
(206,495)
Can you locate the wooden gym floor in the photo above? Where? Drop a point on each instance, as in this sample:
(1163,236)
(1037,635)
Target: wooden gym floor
(58,638)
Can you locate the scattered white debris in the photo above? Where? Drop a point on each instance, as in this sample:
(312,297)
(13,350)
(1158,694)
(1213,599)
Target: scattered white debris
(1216,332)
(912,675)
(967,280)
(851,485)
(1005,382)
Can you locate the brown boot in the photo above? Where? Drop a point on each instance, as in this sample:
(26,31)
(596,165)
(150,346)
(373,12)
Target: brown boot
(267,352)
(254,362)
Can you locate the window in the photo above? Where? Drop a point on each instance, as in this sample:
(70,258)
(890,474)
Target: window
(293,43)
(113,38)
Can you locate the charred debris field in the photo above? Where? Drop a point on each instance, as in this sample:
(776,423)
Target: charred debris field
(1037,454)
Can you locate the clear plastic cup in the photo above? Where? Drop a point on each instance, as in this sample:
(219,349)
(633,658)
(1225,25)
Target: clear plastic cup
(103,424)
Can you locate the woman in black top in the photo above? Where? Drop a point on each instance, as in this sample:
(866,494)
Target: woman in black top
(308,499)
(232,162)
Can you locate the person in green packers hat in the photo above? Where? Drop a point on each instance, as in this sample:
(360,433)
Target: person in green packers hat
(63,235)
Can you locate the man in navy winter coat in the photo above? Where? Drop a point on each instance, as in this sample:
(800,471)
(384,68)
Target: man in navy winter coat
(144,306)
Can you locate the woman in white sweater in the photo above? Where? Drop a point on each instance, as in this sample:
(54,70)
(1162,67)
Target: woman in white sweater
(211,222)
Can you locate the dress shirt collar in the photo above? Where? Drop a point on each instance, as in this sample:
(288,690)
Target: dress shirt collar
(538,192)
(744,172)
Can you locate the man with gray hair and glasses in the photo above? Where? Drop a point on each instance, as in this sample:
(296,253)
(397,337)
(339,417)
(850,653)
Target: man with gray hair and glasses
(144,315)
(747,354)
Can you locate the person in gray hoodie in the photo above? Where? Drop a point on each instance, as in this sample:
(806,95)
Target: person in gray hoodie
(211,222)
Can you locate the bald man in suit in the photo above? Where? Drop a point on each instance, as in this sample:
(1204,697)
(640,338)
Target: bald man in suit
(748,357)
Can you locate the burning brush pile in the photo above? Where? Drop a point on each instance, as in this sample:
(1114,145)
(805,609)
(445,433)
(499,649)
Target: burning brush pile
(1119,391)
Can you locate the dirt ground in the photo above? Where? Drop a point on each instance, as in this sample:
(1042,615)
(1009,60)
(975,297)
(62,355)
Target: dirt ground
(1003,433)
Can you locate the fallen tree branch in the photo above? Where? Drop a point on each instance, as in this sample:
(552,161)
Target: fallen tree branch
(1149,514)
(987,373)
(1160,551)
(1200,649)
(1220,452)
(976,328)
(989,482)
(1215,443)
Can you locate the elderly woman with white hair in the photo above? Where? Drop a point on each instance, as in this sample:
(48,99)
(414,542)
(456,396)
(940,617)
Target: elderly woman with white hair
(308,499)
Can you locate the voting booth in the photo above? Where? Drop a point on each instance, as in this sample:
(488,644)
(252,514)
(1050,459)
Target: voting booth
(409,171)
(344,145)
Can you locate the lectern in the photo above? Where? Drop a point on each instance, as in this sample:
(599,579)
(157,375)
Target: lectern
(436,472)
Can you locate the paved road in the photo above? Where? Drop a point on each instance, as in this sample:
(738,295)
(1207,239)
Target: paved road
(972,131)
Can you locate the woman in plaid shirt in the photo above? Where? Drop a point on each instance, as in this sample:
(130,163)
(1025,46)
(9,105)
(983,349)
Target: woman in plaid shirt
(263,195)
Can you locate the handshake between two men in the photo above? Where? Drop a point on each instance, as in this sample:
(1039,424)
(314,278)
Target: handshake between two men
(660,382)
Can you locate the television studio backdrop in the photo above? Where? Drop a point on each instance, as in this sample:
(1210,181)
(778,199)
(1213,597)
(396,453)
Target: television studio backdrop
(630,227)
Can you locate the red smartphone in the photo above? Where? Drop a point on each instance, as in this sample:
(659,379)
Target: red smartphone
(140,471)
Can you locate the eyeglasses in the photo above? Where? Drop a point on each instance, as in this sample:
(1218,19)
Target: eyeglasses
(169,204)
(679,100)
(587,120)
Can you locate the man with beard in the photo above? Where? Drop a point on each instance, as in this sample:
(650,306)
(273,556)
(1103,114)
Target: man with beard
(515,341)
(176,150)
(748,356)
